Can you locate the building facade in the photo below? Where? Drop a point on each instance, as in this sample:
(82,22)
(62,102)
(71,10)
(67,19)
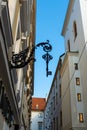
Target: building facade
(74,67)
(71,113)
(17,32)
(53,109)
(37,113)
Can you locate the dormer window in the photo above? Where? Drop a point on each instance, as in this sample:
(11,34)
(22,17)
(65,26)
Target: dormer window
(37,106)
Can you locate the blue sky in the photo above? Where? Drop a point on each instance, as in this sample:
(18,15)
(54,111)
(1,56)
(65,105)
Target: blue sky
(50,15)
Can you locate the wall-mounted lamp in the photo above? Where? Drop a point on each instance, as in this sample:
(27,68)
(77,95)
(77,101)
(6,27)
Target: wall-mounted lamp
(24,57)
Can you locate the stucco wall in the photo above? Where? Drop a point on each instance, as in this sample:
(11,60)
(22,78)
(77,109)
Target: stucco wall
(35,118)
(66,107)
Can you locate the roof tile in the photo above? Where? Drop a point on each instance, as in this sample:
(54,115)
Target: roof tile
(38,104)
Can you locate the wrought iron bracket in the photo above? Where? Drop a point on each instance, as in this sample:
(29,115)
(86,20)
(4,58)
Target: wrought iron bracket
(24,57)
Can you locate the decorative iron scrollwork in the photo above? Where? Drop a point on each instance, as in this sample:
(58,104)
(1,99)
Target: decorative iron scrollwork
(46,46)
(24,57)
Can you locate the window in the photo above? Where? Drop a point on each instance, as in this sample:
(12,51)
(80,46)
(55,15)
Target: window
(56,123)
(54,102)
(39,125)
(40,115)
(81,117)
(56,98)
(60,63)
(75,29)
(37,106)
(77,81)
(60,118)
(18,95)
(79,97)
(76,66)
(68,44)
(18,32)
(60,90)
(59,76)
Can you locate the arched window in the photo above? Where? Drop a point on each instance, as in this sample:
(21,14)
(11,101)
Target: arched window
(75,29)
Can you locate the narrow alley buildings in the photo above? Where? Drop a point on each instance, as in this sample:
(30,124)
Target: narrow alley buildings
(17,32)
(66,107)
(53,109)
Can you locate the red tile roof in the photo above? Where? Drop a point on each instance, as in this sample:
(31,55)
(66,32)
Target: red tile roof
(38,104)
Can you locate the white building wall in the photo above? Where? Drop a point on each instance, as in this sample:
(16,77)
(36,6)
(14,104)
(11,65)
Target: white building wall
(71,107)
(36,116)
(83,7)
(83,66)
(78,43)
(65,78)
(78,14)
(12,8)
(76,107)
